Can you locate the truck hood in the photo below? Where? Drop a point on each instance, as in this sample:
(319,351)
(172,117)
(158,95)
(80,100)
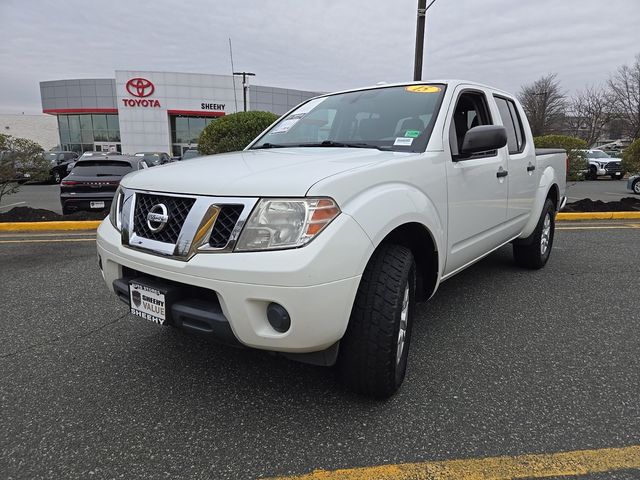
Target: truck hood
(255,173)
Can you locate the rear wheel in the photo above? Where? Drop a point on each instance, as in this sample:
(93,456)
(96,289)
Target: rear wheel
(636,186)
(374,349)
(56,177)
(534,251)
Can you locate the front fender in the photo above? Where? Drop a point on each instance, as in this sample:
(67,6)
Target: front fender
(383,208)
(547,180)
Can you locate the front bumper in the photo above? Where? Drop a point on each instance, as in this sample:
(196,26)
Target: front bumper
(316,284)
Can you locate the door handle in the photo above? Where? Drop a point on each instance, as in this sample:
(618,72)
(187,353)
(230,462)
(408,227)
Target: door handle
(502,173)
(531,168)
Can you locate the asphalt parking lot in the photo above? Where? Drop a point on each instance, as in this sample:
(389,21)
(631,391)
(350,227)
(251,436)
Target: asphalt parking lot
(48,196)
(504,362)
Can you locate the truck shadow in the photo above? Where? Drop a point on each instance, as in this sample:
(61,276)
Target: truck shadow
(219,372)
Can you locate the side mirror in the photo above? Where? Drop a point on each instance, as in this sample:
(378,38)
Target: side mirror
(483,138)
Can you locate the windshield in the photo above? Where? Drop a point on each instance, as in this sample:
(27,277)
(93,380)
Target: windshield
(597,154)
(387,118)
(50,156)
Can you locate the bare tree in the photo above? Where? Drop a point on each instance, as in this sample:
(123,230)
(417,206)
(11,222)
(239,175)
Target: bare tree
(625,91)
(588,113)
(544,103)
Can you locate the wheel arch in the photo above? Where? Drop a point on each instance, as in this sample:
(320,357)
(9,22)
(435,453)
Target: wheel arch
(420,240)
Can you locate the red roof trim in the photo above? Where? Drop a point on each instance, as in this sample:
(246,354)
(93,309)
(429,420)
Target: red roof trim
(198,113)
(63,111)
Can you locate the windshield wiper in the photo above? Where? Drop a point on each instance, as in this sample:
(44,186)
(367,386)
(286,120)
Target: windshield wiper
(331,143)
(268,145)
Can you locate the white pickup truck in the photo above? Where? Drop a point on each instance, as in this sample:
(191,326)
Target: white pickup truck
(317,240)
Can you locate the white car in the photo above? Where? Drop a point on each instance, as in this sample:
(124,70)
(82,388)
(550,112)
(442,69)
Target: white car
(317,240)
(600,164)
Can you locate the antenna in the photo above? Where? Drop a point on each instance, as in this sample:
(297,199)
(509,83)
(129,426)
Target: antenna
(235,97)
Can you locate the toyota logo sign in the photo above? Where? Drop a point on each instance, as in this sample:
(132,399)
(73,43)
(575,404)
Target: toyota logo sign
(140,87)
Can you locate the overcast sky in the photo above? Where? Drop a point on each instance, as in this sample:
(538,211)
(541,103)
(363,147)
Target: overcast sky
(322,45)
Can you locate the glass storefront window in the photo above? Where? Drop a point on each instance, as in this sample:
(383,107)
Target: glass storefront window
(79,132)
(112,123)
(87,136)
(64,136)
(63,123)
(101,136)
(85,122)
(99,122)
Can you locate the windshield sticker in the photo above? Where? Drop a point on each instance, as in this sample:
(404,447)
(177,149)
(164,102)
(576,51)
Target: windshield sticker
(295,117)
(403,142)
(412,133)
(422,89)
(289,122)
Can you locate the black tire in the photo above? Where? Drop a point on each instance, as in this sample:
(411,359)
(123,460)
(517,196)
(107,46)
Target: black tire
(368,362)
(57,178)
(593,174)
(635,186)
(530,253)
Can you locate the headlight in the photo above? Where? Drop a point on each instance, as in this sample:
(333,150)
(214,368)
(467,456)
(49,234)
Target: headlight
(286,223)
(115,214)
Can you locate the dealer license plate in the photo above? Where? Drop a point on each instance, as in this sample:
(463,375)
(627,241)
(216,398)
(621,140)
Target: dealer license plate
(96,204)
(147,302)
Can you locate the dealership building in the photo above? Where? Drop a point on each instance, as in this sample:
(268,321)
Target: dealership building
(151,111)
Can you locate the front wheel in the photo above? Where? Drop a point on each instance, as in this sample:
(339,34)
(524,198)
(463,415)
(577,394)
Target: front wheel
(374,349)
(534,251)
(636,186)
(56,177)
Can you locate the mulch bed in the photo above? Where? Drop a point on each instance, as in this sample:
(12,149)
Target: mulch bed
(626,204)
(28,214)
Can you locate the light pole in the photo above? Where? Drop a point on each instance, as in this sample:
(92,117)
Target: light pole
(245,85)
(417,62)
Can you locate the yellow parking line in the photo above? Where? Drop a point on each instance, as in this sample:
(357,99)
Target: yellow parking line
(579,462)
(52,240)
(602,227)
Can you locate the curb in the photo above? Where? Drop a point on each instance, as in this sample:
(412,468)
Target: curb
(49,226)
(93,224)
(570,216)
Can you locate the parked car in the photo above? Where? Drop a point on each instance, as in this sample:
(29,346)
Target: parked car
(154,158)
(91,184)
(91,154)
(190,153)
(59,162)
(602,164)
(633,183)
(317,240)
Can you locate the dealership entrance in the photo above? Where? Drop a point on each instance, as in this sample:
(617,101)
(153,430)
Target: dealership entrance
(107,147)
(185,131)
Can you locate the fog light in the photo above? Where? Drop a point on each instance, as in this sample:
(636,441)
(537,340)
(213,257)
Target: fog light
(278,317)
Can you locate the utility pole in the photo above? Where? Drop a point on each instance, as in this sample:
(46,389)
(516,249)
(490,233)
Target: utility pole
(422,13)
(245,85)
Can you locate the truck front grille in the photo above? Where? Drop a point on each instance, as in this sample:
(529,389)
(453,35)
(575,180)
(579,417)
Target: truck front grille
(613,167)
(177,208)
(225,223)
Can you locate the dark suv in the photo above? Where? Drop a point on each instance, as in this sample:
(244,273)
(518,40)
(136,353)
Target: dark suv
(59,162)
(92,183)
